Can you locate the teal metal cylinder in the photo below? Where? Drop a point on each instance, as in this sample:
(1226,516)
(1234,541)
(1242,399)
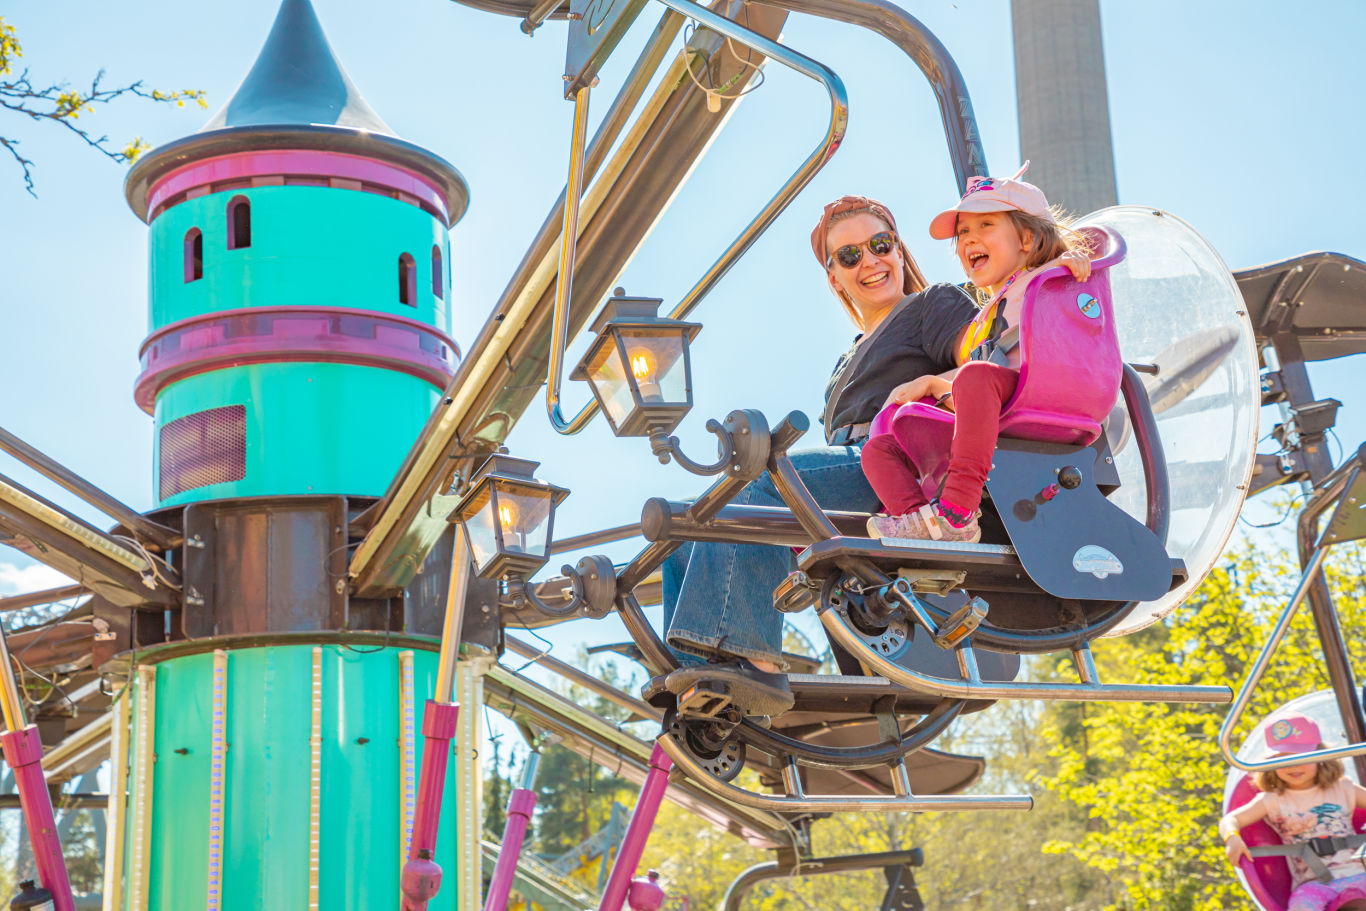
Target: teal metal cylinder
(299,340)
(227,769)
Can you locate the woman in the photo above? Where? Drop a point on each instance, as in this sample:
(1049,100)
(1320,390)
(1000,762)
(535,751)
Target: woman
(718,598)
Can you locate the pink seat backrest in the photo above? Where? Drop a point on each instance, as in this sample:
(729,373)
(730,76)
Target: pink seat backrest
(1070,365)
(1070,368)
(1268,878)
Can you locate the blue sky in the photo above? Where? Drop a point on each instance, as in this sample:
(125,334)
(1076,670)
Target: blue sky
(1241,118)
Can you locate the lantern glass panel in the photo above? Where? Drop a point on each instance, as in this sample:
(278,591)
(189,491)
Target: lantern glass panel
(608,376)
(524,517)
(658,365)
(477,513)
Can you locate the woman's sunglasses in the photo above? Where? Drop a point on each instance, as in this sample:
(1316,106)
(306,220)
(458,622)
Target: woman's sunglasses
(848,256)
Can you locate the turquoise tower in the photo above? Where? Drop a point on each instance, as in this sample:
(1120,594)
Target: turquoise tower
(300,285)
(266,746)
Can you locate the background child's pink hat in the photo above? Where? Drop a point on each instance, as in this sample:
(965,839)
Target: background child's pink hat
(992,194)
(1293,734)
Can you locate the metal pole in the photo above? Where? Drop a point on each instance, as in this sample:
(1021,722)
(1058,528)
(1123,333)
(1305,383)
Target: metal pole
(24,753)
(421,878)
(520,807)
(638,832)
(1325,615)
(461,569)
(564,281)
(1240,702)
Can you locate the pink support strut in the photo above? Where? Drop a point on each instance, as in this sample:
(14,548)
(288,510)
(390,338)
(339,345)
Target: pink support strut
(24,753)
(638,831)
(520,806)
(421,878)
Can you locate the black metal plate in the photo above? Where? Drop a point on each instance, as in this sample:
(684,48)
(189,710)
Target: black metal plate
(1077,544)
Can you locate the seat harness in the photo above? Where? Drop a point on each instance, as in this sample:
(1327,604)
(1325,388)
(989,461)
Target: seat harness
(1313,851)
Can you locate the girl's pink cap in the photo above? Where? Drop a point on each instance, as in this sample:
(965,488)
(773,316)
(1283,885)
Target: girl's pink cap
(992,194)
(1293,734)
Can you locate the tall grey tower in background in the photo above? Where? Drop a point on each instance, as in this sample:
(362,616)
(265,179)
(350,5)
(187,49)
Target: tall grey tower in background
(1062,104)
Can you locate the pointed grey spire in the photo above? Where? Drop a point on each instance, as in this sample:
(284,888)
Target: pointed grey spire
(297,96)
(297,80)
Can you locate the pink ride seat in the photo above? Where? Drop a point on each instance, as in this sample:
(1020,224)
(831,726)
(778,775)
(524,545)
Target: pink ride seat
(1070,368)
(1268,878)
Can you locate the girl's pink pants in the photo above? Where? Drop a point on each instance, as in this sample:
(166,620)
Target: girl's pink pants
(980,389)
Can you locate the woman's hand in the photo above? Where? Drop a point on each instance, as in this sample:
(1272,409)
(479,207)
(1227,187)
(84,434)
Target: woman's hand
(917,389)
(1078,263)
(1235,848)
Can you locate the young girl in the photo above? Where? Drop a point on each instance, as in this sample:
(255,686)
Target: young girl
(1301,803)
(1004,234)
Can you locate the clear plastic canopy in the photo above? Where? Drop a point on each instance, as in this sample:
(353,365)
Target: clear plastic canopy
(1178,307)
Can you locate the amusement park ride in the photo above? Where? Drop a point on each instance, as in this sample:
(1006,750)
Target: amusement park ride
(274,658)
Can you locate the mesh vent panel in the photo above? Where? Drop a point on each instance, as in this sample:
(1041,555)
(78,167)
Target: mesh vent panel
(207,447)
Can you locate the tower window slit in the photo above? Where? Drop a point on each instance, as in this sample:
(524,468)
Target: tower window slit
(194,255)
(437,274)
(239,223)
(407,280)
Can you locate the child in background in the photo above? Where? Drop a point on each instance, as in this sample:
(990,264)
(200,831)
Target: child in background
(1004,233)
(1301,803)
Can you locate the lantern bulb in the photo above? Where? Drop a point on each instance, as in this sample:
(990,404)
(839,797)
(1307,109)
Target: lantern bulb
(647,380)
(507,515)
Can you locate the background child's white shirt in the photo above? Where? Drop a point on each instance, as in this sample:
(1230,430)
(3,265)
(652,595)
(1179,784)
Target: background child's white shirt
(1314,813)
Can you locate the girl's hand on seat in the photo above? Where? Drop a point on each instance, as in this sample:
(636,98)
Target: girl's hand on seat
(917,389)
(1235,848)
(1078,263)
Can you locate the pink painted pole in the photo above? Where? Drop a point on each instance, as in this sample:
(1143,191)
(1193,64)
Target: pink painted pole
(638,831)
(521,804)
(421,878)
(24,753)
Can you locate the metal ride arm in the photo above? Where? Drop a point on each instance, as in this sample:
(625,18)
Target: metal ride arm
(146,530)
(1345,488)
(506,364)
(126,576)
(839,118)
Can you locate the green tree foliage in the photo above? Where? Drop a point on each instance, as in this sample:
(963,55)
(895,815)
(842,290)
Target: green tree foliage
(1148,778)
(58,103)
(574,793)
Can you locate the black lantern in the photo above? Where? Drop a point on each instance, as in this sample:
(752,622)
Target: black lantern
(638,366)
(508,516)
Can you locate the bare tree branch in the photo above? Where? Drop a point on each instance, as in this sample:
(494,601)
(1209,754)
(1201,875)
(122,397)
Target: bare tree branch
(56,103)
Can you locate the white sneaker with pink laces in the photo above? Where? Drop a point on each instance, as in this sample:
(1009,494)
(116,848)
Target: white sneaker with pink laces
(924,524)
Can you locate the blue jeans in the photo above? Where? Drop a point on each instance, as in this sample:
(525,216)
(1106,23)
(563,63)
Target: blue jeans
(718,598)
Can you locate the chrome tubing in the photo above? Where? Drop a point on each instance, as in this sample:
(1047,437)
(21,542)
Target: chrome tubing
(973,687)
(821,803)
(839,121)
(1254,676)
(564,280)
(742,884)
(1326,622)
(929,54)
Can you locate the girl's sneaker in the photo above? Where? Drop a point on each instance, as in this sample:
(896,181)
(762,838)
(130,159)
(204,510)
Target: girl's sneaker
(925,524)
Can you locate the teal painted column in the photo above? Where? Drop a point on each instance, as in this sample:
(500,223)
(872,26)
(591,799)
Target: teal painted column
(367,756)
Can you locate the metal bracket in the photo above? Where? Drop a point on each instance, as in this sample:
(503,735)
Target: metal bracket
(742,443)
